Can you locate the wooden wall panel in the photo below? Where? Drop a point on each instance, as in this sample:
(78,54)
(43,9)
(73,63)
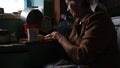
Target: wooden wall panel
(56,10)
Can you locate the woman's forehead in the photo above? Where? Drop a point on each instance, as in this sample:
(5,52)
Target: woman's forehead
(66,0)
(69,1)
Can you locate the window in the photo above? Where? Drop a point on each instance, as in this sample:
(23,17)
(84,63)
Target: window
(12,5)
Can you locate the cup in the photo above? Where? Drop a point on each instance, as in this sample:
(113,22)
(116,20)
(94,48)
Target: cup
(32,31)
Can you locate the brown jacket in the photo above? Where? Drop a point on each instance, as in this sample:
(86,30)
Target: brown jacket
(97,42)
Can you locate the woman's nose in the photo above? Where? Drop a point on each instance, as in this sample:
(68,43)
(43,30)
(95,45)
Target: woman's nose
(68,8)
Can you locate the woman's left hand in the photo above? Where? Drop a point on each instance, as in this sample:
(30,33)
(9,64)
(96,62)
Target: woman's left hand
(54,35)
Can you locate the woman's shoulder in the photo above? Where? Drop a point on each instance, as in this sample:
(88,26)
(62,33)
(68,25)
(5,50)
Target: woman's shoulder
(98,15)
(99,12)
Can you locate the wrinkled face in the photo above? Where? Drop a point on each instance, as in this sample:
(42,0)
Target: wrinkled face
(75,7)
(71,7)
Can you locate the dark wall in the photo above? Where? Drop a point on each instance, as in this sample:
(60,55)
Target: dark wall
(48,8)
(113,6)
(63,7)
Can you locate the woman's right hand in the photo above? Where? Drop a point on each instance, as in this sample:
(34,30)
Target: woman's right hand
(48,37)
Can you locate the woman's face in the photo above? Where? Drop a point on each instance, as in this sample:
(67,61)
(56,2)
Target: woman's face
(75,7)
(71,7)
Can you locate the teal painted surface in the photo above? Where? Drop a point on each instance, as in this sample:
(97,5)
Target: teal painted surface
(46,4)
(30,3)
(38,2)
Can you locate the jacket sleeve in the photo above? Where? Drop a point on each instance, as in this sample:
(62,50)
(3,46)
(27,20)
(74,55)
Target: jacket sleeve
(97,35)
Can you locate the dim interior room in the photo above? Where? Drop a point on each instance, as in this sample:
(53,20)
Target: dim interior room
(31,55)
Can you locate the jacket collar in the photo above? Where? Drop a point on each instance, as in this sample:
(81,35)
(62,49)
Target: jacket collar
(85,18)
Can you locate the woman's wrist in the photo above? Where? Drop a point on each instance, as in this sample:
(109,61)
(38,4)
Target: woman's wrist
(62,40)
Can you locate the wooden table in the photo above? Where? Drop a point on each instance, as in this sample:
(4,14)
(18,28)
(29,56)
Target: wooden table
(30,54)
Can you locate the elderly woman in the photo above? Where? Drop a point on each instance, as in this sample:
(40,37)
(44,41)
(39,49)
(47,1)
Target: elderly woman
(93,41)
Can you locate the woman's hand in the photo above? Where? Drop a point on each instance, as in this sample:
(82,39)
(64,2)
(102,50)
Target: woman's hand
(54,35)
